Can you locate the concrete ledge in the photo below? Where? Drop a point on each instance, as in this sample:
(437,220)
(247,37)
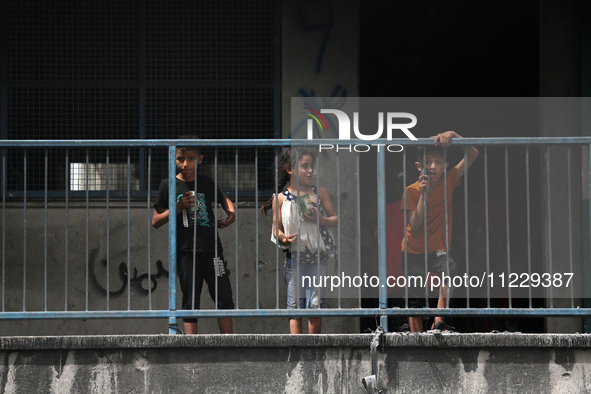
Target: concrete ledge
(405,340)
(425,363)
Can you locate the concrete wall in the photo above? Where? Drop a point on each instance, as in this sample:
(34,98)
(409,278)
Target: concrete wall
(272,292)
(426,363)
(319,52)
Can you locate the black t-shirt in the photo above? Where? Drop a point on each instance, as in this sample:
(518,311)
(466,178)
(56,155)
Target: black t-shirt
(203,212)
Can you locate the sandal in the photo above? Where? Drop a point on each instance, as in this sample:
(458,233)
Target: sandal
(444,327)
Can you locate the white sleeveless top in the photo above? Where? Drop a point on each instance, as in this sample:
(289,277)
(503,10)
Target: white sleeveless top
(309,239)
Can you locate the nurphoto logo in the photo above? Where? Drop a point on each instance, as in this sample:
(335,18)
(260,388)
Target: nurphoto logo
(392,120)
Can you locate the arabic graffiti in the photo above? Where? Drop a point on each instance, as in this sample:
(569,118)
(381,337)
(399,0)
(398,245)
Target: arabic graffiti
(139,283)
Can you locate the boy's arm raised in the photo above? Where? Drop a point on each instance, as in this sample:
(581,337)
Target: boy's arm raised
(160,217)
(444,138)
(228,207)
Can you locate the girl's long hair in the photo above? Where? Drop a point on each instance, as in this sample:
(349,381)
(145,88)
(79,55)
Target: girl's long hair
(287,159)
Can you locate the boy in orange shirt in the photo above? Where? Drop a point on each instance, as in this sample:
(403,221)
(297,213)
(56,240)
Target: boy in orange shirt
(431,187)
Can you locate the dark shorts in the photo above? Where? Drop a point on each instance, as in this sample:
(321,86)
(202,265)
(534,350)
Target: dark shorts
(204,271)
(437,263)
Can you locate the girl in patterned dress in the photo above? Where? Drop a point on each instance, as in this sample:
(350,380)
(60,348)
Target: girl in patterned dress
(302,215)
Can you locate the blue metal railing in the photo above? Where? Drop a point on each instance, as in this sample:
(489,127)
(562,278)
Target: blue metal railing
(172,313)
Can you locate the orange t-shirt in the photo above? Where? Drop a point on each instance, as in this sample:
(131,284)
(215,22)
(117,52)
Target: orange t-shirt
(435,215)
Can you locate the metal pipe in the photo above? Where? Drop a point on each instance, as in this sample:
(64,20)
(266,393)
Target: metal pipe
(426,246)
(108,233)
(549,213)
(45,187)
(135,143)
(510,300)
(128,230)
(256,221)
(527,196)
(338,227)
(570,225)
(67,222)
(25,230)
(150,213)
(446,226)
(589,196)
(358,196)
(276,229)
(215,223)
(194,254)
(466,225)
(315,312)
(87,261)
(405,226)
(382,253)
(486,224)
(172,307)
(236,229)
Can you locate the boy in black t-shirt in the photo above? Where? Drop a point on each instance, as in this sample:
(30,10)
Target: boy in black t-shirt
(196,234)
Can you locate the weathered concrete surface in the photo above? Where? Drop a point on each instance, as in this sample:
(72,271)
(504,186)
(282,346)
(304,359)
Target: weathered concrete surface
(426,363)
(72,281)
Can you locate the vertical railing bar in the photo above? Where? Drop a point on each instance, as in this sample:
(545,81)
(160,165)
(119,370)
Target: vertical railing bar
(150,209)
(405,226)
(195,213)
(297,170)
(424,171)
(215,221)
(589,196)
(87,262)
(338,227)
(549,213)
(67,230)
(276,215)
(507,223)
(129,231)
(45,188)
(570,225)
(486,223)
(527,196)
(25,231)
(256,240)
(317,170)
(382,252)
(448,291)
(172,306)
(466,225)
(236,229)
(108,202)
(358,188)
(3,229)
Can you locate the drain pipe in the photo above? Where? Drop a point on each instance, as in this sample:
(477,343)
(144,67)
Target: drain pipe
(371,382)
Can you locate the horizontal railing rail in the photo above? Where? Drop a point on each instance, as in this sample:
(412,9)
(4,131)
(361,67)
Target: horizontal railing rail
(235,143)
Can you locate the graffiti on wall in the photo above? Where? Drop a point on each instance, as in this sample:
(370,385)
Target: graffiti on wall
(142,284)
(318,17)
